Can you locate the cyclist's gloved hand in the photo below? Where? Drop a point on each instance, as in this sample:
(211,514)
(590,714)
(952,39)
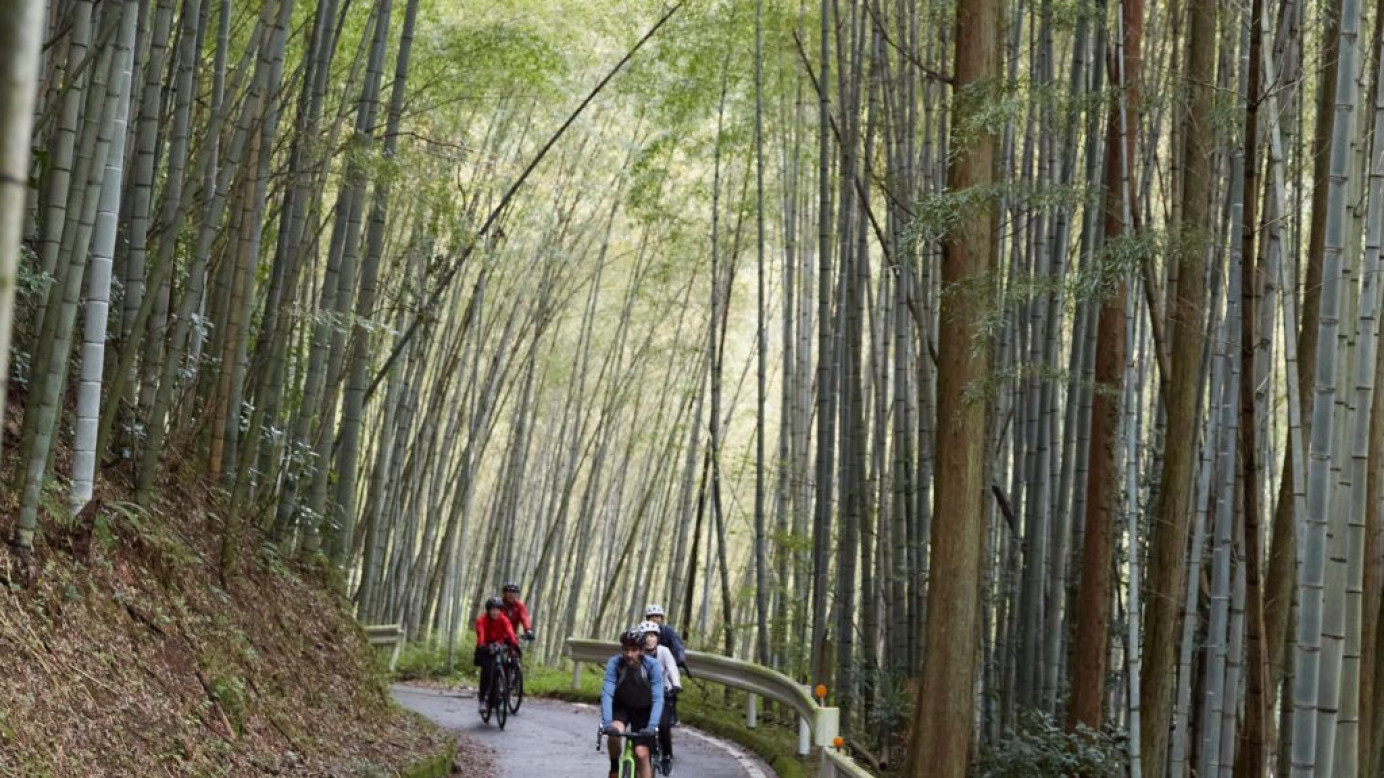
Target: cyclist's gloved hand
(650,732)
(675,691)
(528,635)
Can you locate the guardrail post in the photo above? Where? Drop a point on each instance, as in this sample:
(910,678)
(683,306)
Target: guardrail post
(827,726)
(804,737)
(576,674)
(752,712)
(394,655)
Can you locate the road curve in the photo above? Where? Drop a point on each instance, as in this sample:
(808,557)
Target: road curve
(558,739)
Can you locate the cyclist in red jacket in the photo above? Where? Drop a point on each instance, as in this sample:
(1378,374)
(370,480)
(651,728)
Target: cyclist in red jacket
(492,627)
(516,611)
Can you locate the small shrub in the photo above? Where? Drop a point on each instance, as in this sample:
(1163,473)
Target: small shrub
(1042,748)
(229,693)
(428,662)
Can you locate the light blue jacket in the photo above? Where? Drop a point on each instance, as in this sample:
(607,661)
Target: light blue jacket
(612,676)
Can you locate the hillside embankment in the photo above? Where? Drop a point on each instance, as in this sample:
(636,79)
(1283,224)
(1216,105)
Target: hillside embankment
(129,651)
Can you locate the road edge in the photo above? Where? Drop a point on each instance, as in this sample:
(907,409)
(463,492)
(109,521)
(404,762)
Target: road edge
(437,766)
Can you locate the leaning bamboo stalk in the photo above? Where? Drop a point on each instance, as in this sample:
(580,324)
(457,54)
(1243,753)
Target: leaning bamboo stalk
(61,314)
(59,176)
(345,508)
(20,32)
(145,162)
(85,453)
(185,341)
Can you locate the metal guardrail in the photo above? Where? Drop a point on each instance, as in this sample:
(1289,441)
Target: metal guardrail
(835,763)
(818,725)
(389,636)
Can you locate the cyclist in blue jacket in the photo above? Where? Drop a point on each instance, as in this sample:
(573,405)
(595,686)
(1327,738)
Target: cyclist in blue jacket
(632,699)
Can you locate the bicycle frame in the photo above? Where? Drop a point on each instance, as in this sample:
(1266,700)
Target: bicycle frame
(628,761)
(497,695)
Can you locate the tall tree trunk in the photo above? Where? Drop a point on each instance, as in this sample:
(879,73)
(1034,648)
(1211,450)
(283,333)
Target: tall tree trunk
(1251,758)
(1090,645)
(1167,556)
(943,719)
(826,414)
(761,578)
(1372,657)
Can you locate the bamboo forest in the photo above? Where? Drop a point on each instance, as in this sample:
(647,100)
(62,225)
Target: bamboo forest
(1002,371)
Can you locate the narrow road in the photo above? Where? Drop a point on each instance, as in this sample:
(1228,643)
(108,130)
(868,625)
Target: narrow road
(558,739)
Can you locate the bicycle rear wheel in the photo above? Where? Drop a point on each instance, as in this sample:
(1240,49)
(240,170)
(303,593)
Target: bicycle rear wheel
(516,687)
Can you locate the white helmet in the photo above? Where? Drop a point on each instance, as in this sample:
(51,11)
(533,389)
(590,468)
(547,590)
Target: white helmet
(653,610)
(646,627)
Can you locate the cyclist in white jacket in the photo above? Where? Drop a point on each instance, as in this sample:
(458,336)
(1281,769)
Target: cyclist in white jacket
(672,686)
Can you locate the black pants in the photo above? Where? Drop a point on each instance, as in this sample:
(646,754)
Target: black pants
(487,665)
(665,725)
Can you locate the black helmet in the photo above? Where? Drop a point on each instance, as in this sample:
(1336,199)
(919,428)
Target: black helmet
(494,602)
(511,587)
(632,638)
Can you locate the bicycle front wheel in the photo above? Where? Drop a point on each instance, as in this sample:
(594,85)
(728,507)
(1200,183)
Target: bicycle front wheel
(516,687)
(498,699)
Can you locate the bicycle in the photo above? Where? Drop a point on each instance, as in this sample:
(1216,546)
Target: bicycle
(497,696)
(629,763)
(515,679)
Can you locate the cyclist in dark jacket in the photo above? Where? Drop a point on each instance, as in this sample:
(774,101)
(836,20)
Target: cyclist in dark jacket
(667,636)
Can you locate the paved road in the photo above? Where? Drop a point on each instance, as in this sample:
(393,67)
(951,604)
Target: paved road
(558,739)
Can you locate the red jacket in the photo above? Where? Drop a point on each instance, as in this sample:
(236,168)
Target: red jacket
(490,630)
(518,615)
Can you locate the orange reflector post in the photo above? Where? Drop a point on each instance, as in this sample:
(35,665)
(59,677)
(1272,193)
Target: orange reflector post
(820,692)
(838,742)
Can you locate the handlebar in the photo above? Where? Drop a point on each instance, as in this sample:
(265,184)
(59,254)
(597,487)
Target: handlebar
(648,735)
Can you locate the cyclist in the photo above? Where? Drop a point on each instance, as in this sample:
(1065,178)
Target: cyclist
(667,635)
(492,627)
(672,687)
(632,699)
(516,611)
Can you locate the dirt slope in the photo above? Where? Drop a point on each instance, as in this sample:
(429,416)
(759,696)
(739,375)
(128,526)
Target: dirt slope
(123,652)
